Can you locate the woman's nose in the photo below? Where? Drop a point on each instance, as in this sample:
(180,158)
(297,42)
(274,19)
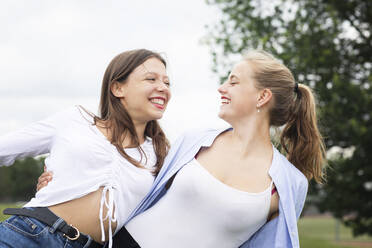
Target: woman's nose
(162,86)
(222,88)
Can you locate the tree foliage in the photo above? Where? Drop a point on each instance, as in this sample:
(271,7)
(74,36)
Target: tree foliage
(328,45)
(18,182)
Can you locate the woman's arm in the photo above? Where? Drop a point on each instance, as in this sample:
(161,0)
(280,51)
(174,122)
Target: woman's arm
(33,140)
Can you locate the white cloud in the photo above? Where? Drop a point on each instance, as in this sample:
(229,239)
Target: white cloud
(54,53)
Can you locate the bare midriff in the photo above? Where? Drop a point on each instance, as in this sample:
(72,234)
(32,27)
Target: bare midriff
(83,213)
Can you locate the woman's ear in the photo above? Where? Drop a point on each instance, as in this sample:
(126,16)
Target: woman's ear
(117,89)
(264,97)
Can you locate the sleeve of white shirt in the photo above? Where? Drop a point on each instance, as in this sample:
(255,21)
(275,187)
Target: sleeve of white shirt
(32,140)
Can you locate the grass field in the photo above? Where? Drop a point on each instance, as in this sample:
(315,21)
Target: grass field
(320,232)
(2,207)
(315,232)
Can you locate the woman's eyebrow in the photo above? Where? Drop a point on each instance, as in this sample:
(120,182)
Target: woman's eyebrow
(232,76)
(157,74)
(150,72)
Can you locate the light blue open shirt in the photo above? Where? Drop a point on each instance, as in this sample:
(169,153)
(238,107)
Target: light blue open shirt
(290,183)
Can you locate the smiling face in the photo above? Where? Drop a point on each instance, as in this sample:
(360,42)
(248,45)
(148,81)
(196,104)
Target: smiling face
(239,96)
(145,93)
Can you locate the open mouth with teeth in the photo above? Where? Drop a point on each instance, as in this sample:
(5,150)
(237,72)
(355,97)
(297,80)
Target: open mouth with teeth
(158,102)
(225,100)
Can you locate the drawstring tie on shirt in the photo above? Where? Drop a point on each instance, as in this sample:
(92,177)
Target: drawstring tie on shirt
(110,215)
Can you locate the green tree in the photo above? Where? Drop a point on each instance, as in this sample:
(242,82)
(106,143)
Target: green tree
(327,44)
(18,182)
(5,184)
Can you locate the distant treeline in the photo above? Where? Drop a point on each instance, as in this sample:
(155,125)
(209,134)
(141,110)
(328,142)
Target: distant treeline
(18,182)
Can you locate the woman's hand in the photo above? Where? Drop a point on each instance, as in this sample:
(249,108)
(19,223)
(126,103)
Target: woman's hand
(44,179)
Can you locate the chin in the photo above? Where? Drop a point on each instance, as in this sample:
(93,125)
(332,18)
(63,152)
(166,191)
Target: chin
(222,115)
(157,116)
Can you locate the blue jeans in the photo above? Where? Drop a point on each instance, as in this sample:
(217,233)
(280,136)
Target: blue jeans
(22,232)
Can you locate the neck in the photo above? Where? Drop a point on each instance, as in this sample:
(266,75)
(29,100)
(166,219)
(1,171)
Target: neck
(251,136)
(140,131)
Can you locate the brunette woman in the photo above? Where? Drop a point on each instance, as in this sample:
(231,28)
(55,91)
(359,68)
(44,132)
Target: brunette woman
(103,165)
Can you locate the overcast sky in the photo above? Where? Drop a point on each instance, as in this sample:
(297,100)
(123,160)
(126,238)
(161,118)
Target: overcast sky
(53,55)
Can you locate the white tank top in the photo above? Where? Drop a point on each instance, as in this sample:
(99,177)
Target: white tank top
(201,211)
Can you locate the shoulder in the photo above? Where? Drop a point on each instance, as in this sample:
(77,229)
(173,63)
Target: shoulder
(197,132)
(73,114)
(192,138)
(79,113)
(198,135)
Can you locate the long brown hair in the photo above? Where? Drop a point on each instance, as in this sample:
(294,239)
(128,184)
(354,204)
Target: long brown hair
(114,113)
(294,107)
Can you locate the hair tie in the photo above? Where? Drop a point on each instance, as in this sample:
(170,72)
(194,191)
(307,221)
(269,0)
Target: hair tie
(296,88)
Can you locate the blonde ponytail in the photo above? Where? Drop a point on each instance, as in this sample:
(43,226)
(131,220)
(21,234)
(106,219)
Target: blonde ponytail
(301,139)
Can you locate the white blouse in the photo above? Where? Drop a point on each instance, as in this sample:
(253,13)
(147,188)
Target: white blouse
(82,160)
